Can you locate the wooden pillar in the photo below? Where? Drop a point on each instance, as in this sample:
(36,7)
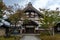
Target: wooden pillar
(20,31)
(24,31)
(29,14)
(34,30)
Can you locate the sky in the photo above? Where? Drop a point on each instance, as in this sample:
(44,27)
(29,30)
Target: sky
(48,4)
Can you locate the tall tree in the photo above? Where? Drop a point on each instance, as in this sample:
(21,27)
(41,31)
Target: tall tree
(50,19)
(16,17)
(2,8)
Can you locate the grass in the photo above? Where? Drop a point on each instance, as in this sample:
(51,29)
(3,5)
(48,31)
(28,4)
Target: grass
(10,38)
(50,37)
(44,35)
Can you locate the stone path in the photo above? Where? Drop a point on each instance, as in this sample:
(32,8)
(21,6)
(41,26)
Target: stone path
(29,37)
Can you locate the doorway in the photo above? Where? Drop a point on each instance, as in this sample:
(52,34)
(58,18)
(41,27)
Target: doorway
(29,30)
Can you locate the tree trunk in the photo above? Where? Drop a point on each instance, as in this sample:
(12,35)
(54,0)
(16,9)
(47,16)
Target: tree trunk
(7,32)
(50,31)
(53,31)
(15,24)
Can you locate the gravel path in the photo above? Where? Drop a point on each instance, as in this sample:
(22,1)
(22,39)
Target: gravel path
(29,37)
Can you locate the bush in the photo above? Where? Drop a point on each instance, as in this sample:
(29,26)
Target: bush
(47,37)
(42,33)
(10,38)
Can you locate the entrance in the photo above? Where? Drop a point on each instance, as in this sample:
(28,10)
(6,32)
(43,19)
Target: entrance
(29,30)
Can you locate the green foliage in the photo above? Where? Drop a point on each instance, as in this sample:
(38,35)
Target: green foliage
(2,7)
(0,0)
(50,18)
(10,38)
(26,21)
(0,13)
(47,37)
(16,17)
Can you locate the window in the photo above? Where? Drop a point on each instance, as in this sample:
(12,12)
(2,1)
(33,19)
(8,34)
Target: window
(27,13)
(27,16)
(35,14)
(32,14)
(36,21)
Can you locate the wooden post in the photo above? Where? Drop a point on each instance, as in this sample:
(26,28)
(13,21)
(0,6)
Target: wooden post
(21,31)
(34,30)
(53,31)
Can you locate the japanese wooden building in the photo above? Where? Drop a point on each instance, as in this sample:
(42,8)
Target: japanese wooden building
(33,16)
(32,25)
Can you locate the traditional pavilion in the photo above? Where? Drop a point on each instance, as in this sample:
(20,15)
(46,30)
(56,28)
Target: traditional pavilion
(32,25)
(33,16)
